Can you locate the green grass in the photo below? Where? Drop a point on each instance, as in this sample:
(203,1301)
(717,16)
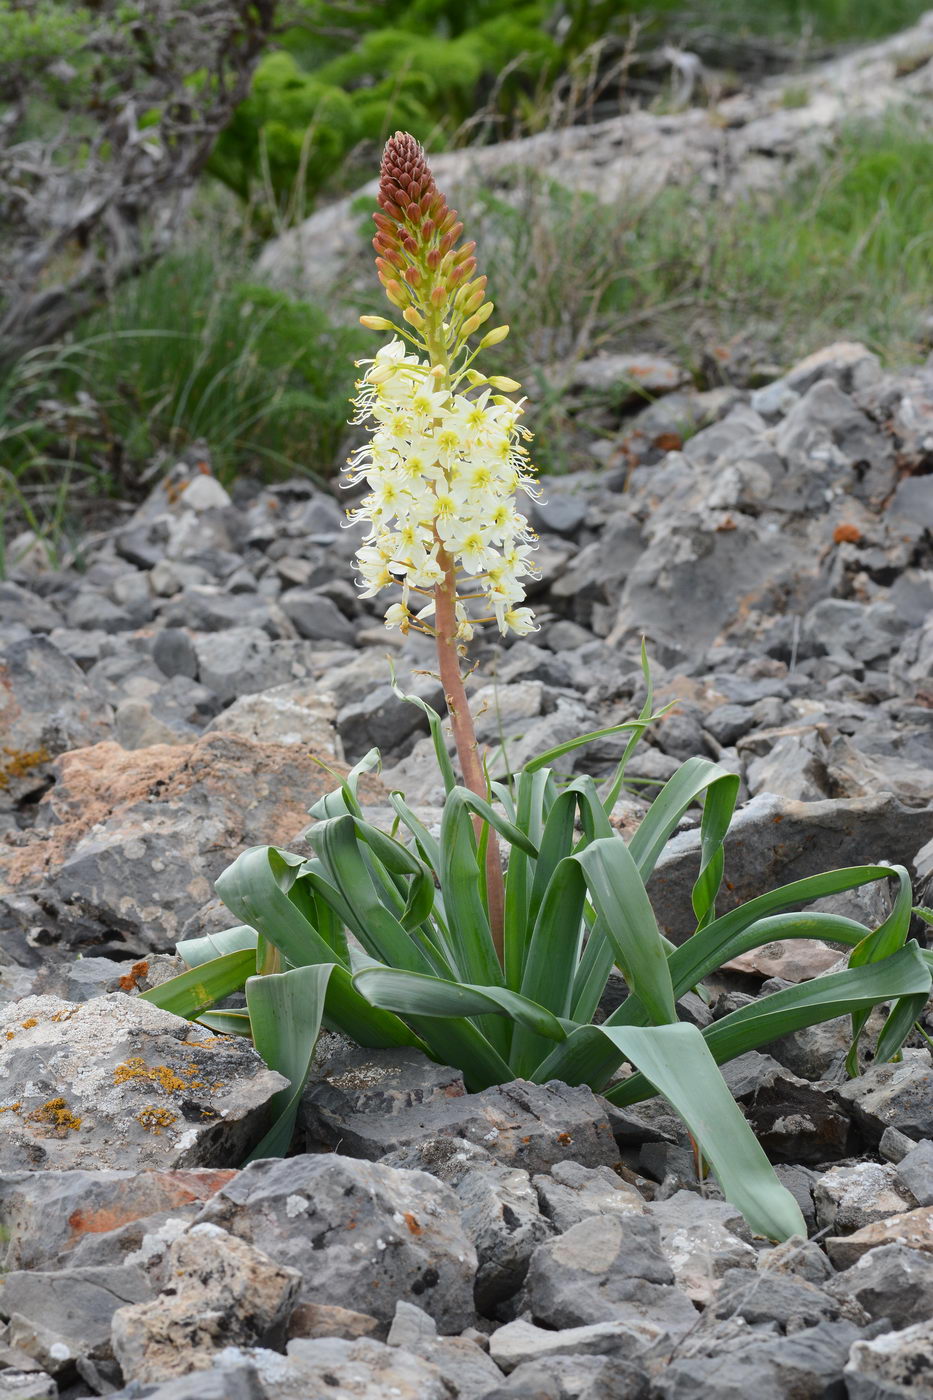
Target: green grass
(831,21)
(844,252)
(191,352)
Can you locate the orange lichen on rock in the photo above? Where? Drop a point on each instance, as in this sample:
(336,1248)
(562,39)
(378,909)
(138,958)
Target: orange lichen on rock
(136,1069)
(154,1119)
(29,1023)
(57,1115)
(129,982)
(846,534)
(17,763)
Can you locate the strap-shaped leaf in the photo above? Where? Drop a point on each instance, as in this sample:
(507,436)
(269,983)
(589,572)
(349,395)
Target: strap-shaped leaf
(621,901)
(535,791)
(203,986)
(903,974)
(344,799)
(285,1012)
(195,951)
(677,1061)
(889,935)
(717,814)
(412,995)
(256,888)
(678,794)
(435,726)
(553,955)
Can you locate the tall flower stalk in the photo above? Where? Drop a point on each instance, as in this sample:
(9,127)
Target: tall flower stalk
(446,456)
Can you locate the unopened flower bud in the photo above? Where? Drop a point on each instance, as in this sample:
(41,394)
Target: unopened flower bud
(397,294)
(376,323)
(494,337)
(501,381)
(469,326)
(413,317)
(484,313)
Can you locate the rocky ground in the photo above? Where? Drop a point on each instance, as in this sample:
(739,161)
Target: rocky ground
(163,696)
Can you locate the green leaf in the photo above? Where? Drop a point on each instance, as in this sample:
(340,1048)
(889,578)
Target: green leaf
(203,986)
(677,1061)
(413,995)
(622,903)
(678,794)
(285,1011)
(437,732)
(344,800)
(195,951)
(886,938)
(227,1023)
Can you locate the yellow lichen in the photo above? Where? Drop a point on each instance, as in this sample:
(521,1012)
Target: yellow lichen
(63,1015)
(17,763)
(136,1069)
(29,1023)
(154,1119)
(11,1107)
(11,1035)
(55,1114)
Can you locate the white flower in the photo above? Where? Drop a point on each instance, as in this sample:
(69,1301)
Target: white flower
(442,471)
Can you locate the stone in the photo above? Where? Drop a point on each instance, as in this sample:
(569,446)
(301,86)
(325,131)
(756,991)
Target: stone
(519,1343)
(59,1316)
(894,1365)
(361,1234)
(790,1302)
(136,840)
(317,617)
(499,1212)
(799,1258)
(525,1125)
(116,1082)
(46,707)
(467,1369)
(795,769)
(48,1217)
(560,512)
(365,1368)
(294,715)
(629,378)
(892,1281)
(893,1096)
(773,841)
(847,1198)
(913,1228)
(735,1363)
(325,1320)
(174,653)
(571,1192)
(236,1381)
(894,1146)
(703,1241)
(793,1120)
(242,660)
(575,1377)
(607,1269)
(219,1291)
(382,720)
(27,1385)
(915,1172)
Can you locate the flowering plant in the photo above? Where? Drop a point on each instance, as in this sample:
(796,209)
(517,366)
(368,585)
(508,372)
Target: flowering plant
(419,938)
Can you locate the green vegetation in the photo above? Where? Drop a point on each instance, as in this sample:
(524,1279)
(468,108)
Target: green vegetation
(423,969)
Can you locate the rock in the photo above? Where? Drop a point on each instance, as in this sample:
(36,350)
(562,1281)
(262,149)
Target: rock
(571,1192)
(59,1316)
(381,720)
(358,1368)
(466,1368)
(773,841)
(27,1385)
(799,1258)
(895,1145)
(792,1303)
(499,1212)
(913,1228)
(324,1320)
(117,1082)
(519,1343)
(847,1198)
(220,1291)
(525,1125)
(891,1366)
(317,617)
(607,1269)
(236,1381)
(292,715)
(893,1095)
(135,841)
(915,1172)
(733,1364)
(46,707)
(560,512)
(892,1281)
(702,1240)
(575,1377)
(362,1235)
(242,660)
(48,1217)
(174,653)
(793,1120)
(849,364)
(825,436)
(794,769)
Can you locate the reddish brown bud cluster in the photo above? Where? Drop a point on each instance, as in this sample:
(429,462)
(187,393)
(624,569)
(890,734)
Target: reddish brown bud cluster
(416,254)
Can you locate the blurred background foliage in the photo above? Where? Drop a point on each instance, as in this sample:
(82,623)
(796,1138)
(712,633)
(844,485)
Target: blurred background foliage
(196,351)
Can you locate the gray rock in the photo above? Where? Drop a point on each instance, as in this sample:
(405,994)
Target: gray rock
(607,1269)
(560,512)
(46,707)
(893,1096)
(466,1368)
(381,720)
(59,1316)
(825,436)
(798,1258)
(293,714)
(317,617)
(27,1385)
(892,1281)
(892,1366)
(795,769)
(20,606)
(894,1145)
(575,1378)
(790,1302)
(729,722)
(915,1172)
(219,1291)
(848,1198)
(116,1082)
(174,653)
(499,1212)
(521,1343)
(773,841)
(238,1381)
(364,1367)
(735,1363)
(362,1235)
(703,1240)
(242,660)
(571,1192)
(525,1125)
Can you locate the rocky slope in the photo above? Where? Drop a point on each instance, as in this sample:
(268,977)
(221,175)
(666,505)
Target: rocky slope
(161,693)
